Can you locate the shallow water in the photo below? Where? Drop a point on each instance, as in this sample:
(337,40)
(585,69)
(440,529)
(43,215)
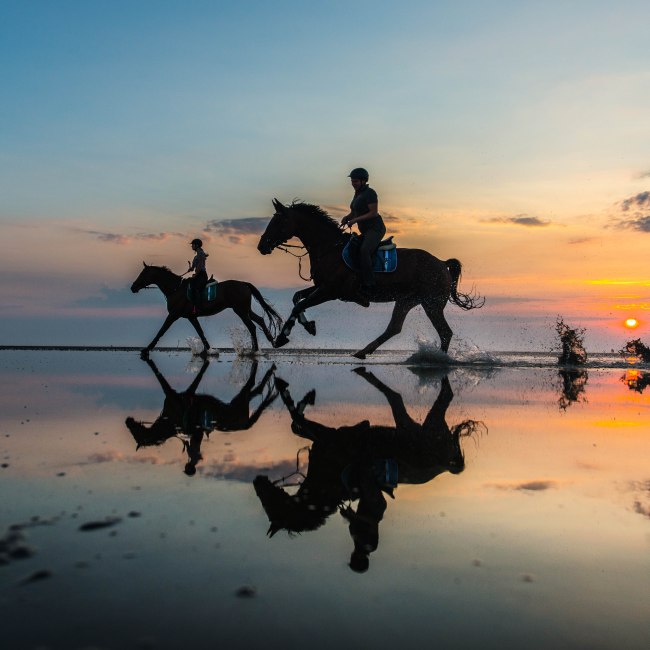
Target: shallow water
(130,517)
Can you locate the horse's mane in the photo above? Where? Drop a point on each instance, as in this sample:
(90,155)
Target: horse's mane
(166,269)
(318,214)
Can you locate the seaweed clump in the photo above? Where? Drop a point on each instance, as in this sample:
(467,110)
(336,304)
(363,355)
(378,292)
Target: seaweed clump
(573,351)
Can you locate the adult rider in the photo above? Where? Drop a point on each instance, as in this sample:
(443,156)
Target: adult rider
(364,212)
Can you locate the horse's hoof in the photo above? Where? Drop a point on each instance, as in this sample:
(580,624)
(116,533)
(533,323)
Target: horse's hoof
(144,354)
(360,355)
(280,384)
(280,341)
(310,326)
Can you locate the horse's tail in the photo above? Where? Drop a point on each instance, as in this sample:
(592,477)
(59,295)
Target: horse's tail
(273,318)
(465,301)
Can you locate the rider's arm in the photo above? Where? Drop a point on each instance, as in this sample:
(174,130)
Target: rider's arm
(373,211)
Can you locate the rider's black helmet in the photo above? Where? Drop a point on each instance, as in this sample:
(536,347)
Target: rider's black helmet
(360,173)
(198,242)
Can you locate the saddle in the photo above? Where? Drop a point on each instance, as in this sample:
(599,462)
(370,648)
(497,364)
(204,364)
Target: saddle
(209,291)
(384,260)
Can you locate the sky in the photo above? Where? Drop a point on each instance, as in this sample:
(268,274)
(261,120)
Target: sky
(510,135)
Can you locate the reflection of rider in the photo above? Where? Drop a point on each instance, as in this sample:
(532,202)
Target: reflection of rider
(361,482)
(364,212)
(200,277)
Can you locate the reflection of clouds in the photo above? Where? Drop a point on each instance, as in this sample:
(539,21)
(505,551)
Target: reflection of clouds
(247,472)
(538,485)
(105,457)
(642,501)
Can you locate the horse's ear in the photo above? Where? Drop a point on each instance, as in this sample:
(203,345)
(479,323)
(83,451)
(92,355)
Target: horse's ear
(278,206)
(144,264)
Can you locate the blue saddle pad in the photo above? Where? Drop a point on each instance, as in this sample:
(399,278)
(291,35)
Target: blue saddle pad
(384,261)
(209,291)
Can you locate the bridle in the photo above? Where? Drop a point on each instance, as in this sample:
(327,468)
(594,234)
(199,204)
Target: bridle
(284,247)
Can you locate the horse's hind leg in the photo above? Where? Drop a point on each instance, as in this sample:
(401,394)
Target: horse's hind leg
(262,325)
(437,317)
(199,330)
(401,309)
(250,326)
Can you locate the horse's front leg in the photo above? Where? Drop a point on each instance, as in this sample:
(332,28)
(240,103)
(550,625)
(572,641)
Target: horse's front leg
(400,310)
(169,321)
(199,330)
(316,297)
(309,325)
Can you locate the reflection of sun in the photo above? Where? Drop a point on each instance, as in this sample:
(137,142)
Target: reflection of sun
(631,323)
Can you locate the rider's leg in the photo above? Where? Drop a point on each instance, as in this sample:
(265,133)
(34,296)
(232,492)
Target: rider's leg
(371,239)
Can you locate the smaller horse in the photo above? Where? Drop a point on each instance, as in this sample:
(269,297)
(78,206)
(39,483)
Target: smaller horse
(231,294)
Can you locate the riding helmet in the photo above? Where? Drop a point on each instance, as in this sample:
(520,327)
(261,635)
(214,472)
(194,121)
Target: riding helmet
(359,173)
(198,242)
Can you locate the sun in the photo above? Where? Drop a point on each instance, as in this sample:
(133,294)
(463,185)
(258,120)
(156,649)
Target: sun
(631,323)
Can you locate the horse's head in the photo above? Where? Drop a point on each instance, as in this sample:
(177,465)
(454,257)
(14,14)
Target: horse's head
(153,435)
(144,279)
(294,513)
(281,228)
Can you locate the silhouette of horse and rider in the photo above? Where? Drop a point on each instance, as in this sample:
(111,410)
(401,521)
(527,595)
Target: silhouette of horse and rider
(419,278)
(230,294)
(190,416)
(361,463)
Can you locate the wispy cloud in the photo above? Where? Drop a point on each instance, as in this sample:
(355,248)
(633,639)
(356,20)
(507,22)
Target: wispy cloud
(639,201)
(236,230)
(519,220)
(124,239)
(634,213)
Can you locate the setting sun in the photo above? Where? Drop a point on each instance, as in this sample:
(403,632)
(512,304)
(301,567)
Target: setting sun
(631,323)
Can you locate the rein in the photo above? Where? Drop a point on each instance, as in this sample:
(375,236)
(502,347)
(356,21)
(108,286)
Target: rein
(284,248)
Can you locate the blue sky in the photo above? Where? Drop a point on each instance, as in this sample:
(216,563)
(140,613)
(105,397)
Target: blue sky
(495,132)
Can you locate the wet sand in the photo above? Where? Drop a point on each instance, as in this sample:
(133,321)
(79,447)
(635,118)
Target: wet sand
(138,498)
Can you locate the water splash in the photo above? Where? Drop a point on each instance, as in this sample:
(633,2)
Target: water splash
(196,346)
(573,386)
(429,353)
(636,348)
(572,352)
(464,353)
(636,380)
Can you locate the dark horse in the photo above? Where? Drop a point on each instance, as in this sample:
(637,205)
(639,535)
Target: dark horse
(420,278)
(231,294)
(351,463)
(195,415)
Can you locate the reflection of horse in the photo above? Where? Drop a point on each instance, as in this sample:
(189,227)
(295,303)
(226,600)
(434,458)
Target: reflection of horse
(420,278)
(361,462)
(186,413)
(231,294)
